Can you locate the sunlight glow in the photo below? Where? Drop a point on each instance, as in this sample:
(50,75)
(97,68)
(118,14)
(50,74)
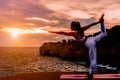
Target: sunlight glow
(16,31)
(15,34)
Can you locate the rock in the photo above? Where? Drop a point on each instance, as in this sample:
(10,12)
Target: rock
(108,49)
(69,49)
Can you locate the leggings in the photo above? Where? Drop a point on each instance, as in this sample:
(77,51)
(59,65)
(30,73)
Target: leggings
(91,45)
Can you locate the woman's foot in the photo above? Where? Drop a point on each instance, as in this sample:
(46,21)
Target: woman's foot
(90,76)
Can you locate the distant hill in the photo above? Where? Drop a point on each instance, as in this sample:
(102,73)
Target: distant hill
(108,49)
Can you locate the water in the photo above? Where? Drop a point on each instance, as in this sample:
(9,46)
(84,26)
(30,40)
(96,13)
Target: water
(16,60)
(15,57)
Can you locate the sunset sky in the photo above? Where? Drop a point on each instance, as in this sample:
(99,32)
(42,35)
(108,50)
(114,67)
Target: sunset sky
(24,23)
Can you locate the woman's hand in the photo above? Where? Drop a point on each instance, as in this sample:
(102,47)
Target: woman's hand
(101,18)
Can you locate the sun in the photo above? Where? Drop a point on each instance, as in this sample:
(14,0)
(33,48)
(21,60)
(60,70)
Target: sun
(14,34)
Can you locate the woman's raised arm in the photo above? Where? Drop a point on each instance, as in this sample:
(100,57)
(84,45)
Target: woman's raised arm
(90,25)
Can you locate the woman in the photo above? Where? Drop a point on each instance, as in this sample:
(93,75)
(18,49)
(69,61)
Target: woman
(90,42)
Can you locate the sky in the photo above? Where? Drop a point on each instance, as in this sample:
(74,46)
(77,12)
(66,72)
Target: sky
(25,23)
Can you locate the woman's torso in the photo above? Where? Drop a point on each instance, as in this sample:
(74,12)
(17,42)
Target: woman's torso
(77,36)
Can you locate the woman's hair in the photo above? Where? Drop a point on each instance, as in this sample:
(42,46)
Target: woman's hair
(76,26)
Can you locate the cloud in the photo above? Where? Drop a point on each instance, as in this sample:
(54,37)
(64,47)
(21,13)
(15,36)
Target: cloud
(14,12)
(24,31)
(42,19)
(85,9)
(74,9)
(31,24)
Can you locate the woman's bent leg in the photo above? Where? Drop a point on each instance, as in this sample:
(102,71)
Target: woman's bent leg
(102,34)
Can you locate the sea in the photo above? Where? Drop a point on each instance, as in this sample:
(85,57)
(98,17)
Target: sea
(12,58)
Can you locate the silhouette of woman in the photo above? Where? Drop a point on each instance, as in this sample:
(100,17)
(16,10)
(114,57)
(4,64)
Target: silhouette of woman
(90,42)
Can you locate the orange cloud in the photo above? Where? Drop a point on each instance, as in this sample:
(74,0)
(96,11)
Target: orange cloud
(42,19)
(25,31)
(31,24)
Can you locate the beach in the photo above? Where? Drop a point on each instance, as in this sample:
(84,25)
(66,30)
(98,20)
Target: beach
(17,60)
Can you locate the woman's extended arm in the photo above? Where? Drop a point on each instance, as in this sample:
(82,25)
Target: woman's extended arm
(63,33)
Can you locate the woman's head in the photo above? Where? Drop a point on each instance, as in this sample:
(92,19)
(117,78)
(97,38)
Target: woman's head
(74,25)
